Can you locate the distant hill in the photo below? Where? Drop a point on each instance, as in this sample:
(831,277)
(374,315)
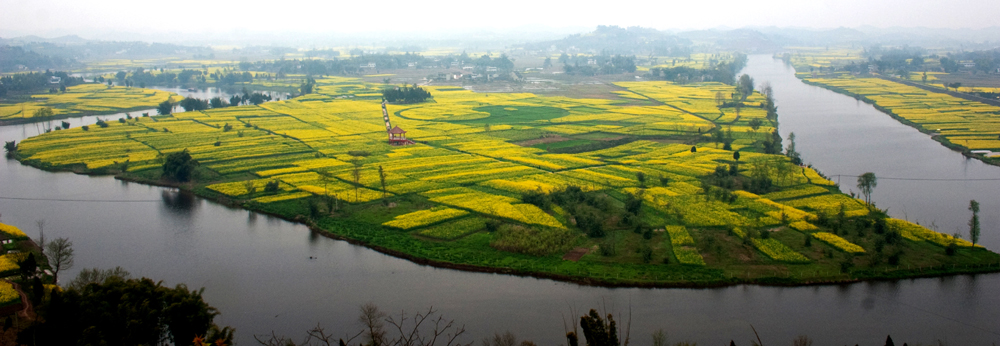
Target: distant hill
(74,47)
(617,40)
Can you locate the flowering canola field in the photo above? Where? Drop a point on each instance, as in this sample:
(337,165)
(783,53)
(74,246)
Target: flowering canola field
(469,167)
(88,99)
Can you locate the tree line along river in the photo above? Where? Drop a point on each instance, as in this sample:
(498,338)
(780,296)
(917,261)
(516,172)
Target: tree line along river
(267,274)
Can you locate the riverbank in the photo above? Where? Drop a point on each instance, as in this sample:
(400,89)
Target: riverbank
(440,255)
(933,134)
(33,120)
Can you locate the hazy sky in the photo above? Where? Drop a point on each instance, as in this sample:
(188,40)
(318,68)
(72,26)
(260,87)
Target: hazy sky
(90,17)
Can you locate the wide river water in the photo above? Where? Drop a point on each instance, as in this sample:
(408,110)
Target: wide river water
(267,274)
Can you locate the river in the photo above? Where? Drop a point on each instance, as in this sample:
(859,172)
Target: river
(267,274)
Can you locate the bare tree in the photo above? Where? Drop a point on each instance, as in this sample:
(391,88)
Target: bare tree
(659,338)
(505,339)
(802,340)
(374,321)
(60,256)
(422,329)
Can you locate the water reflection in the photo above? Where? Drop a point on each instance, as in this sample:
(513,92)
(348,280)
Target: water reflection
(179,203)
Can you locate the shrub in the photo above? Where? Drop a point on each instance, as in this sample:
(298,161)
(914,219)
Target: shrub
(85,127)
(537,198)
(538,241)
(894,258)
(272,186)
(493,225)
(646,252)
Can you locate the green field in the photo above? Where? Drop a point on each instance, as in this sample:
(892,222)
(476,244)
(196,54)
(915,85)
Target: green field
(651,211)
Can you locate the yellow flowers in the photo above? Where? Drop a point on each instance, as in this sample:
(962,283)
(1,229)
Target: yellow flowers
(838,242)
(489,204)
(679,235)
(802,226)
(778,251)
(9,262)
(424,217)
(88,98)
(688,255)
(8,295)
(12,231)
(916,232)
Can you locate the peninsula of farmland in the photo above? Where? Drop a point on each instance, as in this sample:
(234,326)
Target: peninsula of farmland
(656,184)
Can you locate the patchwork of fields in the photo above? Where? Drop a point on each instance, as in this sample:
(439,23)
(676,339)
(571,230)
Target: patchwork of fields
(465,172)
(88,99)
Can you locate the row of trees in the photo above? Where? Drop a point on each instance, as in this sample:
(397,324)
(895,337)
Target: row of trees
(405,94)
(108,307)
(723,72)
(34,81)
(598,65)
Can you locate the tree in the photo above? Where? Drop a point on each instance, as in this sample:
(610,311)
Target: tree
(755,124)
(381,179)
(745,86)
(179,166)
(374,321)
(272,186)
(28,267)
(122,311)
(547,63)
(974,222)
(164,107)
(10,147)
(597,331)
(217,102)
(307,86)
(44,112)
(736,155)
(641,177)
(251,188)
(720,98)
(791,152)
(192,104)
(60,253)
(356,174)
(867,183)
